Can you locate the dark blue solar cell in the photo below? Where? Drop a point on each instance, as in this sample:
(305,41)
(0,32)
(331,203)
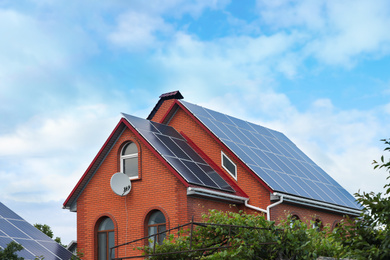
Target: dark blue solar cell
(5,212)
(291,149)
(57,249)
(292,164)
(303,166)
(302,155)
(261,130)
(256,141)
(4,241)
(258,159)
(173,147)
(268,144)
(220,117)
(323,191)
(195,109)
(167,130)
(278,146)
(326,176)
(184,171)
(287,187)
(229,133)
(32,231)
(268,161)
(316,173)
(315,193)
(295,183)
(335,195)
(268,177)
(215,177)
(280,160)
(11,230)
(200,174)
(281,147)
(38,250)
(140,123)
(211,125)
(241,123)
(351,200)
(189,151)
(280,136)
(236,148)
(273,142)
(156,143)
(242,135)
(312,193)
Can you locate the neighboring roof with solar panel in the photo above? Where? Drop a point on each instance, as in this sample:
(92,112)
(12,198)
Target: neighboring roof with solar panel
(35,243)
(274,158)
(179,154)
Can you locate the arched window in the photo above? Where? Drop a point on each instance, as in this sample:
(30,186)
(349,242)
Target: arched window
(105,239)
(129,160)
(317,225)
(294,218)
(156,224)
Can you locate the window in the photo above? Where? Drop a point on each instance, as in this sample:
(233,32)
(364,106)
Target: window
(317,225)
(106,239)
(156,224)
(294,219)
(228,165)
(129,160)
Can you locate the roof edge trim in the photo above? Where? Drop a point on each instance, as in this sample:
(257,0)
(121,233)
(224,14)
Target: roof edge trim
(200,192)
(318,204)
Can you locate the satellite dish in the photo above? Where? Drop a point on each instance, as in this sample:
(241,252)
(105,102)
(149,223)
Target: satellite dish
(120,184)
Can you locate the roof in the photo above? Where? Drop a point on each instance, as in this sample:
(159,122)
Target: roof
(35,243)
(274,158)
(179,154)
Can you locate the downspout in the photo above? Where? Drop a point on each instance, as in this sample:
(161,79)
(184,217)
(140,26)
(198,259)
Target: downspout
(267,211)
(273,205)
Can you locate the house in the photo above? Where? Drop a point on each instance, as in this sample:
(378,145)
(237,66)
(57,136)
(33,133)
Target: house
(35,243)
(157,173)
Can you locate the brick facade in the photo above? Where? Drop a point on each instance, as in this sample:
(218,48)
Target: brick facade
(158,188)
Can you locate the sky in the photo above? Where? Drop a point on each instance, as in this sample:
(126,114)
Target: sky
(318,71)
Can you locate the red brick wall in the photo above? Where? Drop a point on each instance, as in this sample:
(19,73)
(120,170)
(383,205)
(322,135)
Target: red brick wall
(158,188)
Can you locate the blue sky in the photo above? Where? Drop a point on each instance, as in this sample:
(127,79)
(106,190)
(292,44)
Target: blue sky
(317,71)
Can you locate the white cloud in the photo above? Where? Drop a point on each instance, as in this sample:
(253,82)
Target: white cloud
(339,32)
(48,155)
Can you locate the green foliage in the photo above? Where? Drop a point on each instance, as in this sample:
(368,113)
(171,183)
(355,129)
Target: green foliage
(9,253)
(265,240)
(368,237)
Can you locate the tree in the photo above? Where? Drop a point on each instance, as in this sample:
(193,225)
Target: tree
(248,236)
(368,237)
(47,230)
(9,253)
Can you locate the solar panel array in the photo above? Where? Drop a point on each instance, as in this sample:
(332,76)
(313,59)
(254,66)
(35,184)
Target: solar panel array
(176,151)
(274,158)
(34,242)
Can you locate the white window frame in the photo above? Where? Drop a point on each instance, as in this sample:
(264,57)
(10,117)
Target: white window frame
(223,166)
(133,155)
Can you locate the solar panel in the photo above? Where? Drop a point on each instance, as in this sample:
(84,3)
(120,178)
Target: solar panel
(34,242)
(274,158)
(178,153)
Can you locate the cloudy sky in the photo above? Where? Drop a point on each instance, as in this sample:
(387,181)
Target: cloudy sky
(318,71)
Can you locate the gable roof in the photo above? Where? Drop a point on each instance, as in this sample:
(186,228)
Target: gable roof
(179,154)
(274,158)
(35,243)
(190,168)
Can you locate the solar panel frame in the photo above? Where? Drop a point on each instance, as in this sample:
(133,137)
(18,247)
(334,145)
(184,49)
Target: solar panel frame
(32,239)
(179,154)
(269,153)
